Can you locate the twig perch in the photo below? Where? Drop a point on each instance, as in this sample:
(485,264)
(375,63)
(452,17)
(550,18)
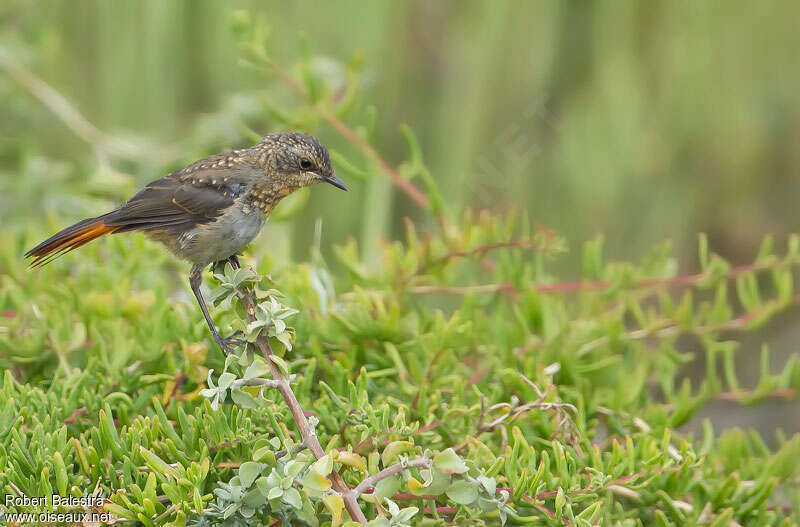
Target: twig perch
(306,432)
(370,482)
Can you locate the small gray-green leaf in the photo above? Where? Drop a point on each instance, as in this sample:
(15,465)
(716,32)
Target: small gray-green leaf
(324,465)
(258,368)
(248,473)
(394,510)
(406,514)
(281,364)
(262,484)
(463,492)
(274,493)
(292,497)
(244,399)
(448,462)
(225,380)
(490,484)
(293,468)
(254,327)
(386,487)
(208,392)
(285,338)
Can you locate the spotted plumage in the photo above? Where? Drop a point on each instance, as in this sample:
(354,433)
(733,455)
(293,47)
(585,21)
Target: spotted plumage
(210,210)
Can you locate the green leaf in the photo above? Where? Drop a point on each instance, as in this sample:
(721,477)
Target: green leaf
(263,486)
(292,497)
(248,473)
(489,484)
(109,432)
(220,293)
(282,365)
(264,454)
(448,462)
(225,380)
(244,399)
(393,450)
(247,512)
(61,473)
(258,368)
(352,460)
(435,482)
(385,488)
(323,466)
(157,464)
(209,392)
(561,500)
(315,483)
(406,514)
(293,468)
(463,492)
(285,338)
(335,504)
(394,510)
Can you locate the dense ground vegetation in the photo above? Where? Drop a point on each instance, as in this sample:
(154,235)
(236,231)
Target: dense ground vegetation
(455,375)
(560,400)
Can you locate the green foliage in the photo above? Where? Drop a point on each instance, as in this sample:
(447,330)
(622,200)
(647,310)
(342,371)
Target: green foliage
(532,402)
(456,376)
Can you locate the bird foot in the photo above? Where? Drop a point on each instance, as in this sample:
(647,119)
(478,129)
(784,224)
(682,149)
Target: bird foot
(230,344)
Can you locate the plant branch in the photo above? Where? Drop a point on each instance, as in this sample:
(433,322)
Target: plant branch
(295,450)
(306,432)
(58,104)
(666,330)
(370,482)
(741,396)
(601,285)
(408,188)
(464,290)
(675,281)
(481,249)
(515,409)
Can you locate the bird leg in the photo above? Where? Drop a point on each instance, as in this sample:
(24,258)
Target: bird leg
(229,344)
(234,261)
(219,266)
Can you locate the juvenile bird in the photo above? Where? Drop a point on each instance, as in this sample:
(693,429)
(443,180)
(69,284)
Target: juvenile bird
(210,210)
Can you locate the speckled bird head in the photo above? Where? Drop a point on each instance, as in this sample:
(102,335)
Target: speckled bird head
(298,160)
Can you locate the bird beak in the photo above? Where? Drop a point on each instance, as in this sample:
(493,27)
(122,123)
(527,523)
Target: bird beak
(336,182)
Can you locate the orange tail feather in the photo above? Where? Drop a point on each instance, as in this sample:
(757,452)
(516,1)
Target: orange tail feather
(70,238)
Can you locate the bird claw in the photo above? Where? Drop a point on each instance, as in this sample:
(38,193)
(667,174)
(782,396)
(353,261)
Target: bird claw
(229,344)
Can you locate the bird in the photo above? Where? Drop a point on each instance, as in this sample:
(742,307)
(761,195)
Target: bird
(207,212)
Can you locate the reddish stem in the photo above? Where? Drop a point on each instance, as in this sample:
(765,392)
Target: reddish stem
(309,436)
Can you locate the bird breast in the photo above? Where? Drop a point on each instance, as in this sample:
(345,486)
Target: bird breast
(221,239)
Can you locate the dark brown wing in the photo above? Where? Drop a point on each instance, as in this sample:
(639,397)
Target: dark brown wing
(180,201)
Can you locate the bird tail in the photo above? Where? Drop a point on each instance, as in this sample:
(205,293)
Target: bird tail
(70,238)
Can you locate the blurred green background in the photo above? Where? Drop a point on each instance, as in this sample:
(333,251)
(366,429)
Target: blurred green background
(640,120)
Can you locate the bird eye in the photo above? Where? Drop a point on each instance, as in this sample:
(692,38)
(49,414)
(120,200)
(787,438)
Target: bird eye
(305,163)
